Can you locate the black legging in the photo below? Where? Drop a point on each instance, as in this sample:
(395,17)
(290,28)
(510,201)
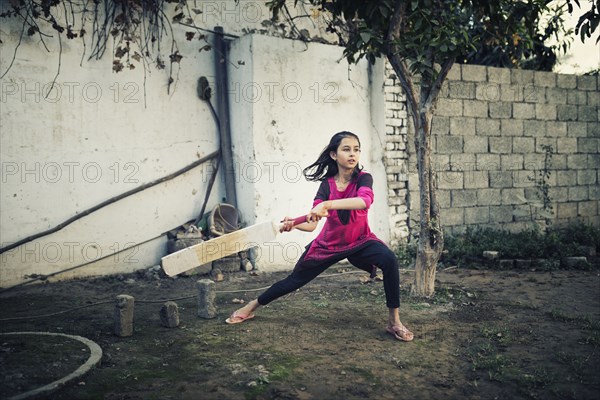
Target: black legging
(374,253)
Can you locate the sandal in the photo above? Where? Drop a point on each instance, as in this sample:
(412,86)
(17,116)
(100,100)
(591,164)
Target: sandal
(237,318)
(400,332)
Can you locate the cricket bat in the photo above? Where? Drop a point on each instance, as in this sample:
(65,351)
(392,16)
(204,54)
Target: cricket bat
(222,246)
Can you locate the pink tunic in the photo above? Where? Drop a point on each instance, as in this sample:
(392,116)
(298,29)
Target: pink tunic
(345,231)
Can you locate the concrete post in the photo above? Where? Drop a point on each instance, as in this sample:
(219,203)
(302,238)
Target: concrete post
(124,315)
(169,315)
(206,299)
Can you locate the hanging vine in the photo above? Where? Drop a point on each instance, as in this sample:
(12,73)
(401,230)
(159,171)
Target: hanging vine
(134,29)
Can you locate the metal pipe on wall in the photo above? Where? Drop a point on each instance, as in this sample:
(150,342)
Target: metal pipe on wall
(222,90)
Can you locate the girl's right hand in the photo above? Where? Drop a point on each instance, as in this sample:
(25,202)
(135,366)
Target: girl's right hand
(318,212)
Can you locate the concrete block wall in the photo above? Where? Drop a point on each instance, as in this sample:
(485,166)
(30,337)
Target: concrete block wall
(490,130)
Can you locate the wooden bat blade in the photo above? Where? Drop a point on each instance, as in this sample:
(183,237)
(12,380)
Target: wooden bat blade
(222,246)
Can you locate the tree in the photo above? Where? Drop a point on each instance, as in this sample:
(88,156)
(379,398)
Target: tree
(544,23)
(589,21)
(133,30)
(422,39)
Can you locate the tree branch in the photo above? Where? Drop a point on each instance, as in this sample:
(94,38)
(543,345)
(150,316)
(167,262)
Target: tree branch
(437,85)
(59,65)
(406,82)
(15,53)
(398,64)
(396,21)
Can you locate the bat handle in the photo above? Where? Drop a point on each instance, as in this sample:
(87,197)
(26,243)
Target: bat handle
(299,220)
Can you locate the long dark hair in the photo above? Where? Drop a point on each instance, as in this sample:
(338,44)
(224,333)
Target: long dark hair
(325,166)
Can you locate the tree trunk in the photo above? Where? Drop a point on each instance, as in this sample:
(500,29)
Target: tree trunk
(430,232)
(424,283)
(421,103)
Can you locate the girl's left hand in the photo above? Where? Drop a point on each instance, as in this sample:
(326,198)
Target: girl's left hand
(288,225)
(318,212)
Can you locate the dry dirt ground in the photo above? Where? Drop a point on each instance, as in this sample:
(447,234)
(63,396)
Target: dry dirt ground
(485,335)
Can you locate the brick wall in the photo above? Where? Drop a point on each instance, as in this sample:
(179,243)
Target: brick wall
(396,156)
(489,133)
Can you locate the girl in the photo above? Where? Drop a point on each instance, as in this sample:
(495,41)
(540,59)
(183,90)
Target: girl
(344,197)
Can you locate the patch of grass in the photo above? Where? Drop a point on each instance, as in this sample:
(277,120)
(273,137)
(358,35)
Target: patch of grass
(471,245)
(516,306)
(419,306)
(575,364)
(366,374)
(406,254)
(582,234)
(584,322)
(255,391)
(593,338)
(560,316)
(283,367)
(540,377)
(279,369)
(445,295)
(486,358)
(531,384)
(320,304)
(404,363)
(550,245)
(495,334)
(366,292)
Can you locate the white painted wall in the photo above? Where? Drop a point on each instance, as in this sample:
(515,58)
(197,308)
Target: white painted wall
(287,100)
(99,134)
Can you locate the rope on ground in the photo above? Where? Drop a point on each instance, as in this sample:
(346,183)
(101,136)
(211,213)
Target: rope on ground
(266,287)
(56,313)
(158,301)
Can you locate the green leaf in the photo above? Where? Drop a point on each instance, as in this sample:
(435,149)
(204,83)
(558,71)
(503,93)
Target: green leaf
(178,17)
(365,36)
(418,24)
(594,24)
(385,12)
(584,32)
